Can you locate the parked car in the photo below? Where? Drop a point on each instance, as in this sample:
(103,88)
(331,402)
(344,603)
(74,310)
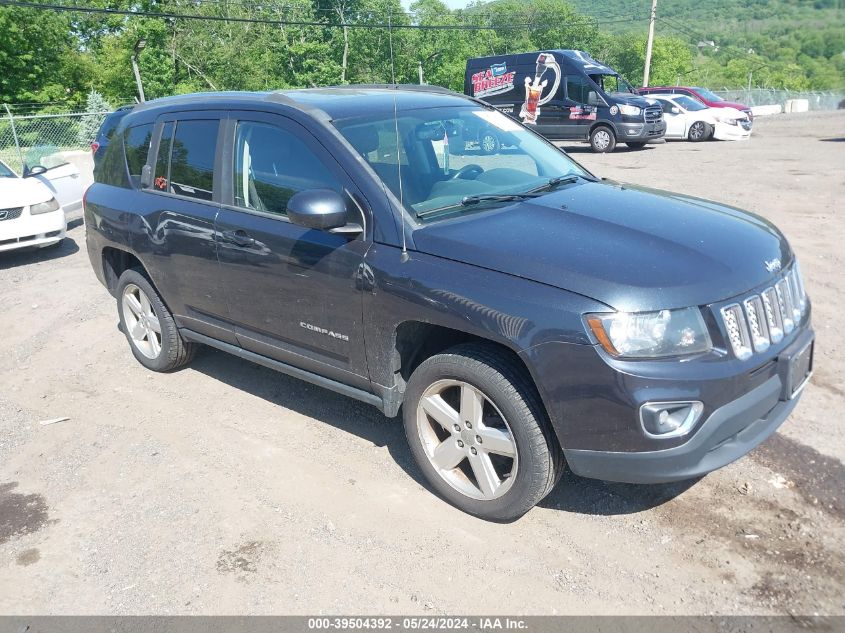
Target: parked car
(707,97)
(30,214)
(563,95)
(521,312)
(107,128)
(688,118)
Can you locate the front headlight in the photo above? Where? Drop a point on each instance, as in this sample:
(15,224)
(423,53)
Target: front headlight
(629,110)
(651,334)
(44,207)
(727,120)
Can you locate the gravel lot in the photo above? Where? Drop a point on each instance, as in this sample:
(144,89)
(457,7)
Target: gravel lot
(228,488)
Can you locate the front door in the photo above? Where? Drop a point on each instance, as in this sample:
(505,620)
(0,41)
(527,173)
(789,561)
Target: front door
(294,293)
(65,183)
(579,115)
(675,119)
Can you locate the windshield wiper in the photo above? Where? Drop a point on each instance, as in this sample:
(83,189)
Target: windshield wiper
(496,197)
(561,180)
(467,201)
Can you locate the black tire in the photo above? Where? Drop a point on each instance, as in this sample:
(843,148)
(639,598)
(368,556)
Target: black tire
(639,145)
(488,142)
(174,350)
(506,385)
(699,131)
(602,139)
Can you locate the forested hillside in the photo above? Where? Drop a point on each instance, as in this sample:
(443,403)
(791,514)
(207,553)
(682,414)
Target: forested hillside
(796,44)
(52,58)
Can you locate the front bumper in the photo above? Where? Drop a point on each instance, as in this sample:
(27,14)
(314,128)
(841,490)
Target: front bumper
(640,132)
(725,132)
(32,230)
(729,433)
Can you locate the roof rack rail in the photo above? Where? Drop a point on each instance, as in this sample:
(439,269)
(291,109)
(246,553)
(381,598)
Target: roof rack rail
(410,87)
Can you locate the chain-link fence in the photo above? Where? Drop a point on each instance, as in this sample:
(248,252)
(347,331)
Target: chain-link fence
(45,139)
(819,100)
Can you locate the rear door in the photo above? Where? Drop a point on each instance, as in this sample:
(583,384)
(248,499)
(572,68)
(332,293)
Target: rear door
(173,234)
(294,293)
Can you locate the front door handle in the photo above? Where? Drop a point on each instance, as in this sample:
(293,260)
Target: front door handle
(239,237)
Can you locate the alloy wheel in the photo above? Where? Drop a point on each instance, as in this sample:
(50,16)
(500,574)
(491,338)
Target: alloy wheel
(141,322)
(696,131)
(467,440)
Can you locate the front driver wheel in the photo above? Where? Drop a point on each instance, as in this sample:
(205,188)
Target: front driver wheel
(479,433)
(148,325)
(699,131)
(602,139)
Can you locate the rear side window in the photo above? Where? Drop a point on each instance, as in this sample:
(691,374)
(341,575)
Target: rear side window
(272,164)
(136,141)
(161,173)
(111,170)
(191,154)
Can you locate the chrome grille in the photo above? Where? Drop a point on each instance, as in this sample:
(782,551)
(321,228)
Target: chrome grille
(11,213)
(653,113)
(760,320)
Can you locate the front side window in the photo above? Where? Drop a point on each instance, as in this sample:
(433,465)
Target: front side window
(272,164)
(578,89)
(449,156)
(613,84)
(690,104)
(137,143)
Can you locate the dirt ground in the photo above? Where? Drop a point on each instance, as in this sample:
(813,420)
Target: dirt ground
(228,488)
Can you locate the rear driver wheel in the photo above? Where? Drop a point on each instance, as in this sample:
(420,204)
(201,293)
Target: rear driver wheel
(148,325)
(479,433)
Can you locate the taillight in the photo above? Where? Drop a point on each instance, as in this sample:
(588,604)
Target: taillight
(94,147)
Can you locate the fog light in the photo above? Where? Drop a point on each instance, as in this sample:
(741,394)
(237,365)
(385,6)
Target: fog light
(669,419)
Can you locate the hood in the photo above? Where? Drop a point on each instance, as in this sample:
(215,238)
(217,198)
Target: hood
(634,100)
(727,112)
(631,248)
(20,192)
(731,104)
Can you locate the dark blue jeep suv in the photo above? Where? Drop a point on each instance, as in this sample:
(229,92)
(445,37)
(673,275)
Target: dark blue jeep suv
(522,313)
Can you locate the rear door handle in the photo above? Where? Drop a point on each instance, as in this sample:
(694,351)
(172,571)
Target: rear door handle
(238,237)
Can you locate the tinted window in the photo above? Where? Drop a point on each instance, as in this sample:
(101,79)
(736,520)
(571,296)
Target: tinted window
(666,105)
(161,174)
(110,123)
(271,165)
(192,159)
(136,140)
(111,170)
(577,89)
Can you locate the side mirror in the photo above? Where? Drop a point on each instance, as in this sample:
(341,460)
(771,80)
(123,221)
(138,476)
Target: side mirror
(675,110)
(34,171)
(592,98)
(146,176)
(321,209)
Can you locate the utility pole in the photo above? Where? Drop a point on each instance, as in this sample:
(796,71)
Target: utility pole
(649,43)
(139,46)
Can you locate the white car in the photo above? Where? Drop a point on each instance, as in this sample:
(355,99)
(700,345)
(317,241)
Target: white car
(688,118)
(32,208)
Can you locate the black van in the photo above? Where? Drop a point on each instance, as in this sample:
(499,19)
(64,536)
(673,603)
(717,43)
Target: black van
(566,95)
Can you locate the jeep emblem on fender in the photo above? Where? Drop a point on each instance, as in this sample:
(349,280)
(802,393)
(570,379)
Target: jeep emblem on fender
(773,265)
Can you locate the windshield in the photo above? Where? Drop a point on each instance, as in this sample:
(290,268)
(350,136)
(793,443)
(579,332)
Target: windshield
(690,104)
(710,96)
(5,172)
(613,84)
(451,153)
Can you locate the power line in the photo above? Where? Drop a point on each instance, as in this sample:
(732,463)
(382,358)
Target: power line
(290,22)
